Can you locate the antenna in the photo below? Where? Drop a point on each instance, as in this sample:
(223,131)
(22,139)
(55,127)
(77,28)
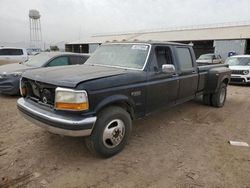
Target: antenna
(35,29)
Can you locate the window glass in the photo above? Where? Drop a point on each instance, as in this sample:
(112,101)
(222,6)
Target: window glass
(242,61)
(120,55)
(77,60)
(60,61)
(10,52)
(185,59)
(163,56)
(74,60)
(82,59)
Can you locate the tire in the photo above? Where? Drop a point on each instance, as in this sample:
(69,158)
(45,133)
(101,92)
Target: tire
(111,132)
(207,99)
(219,98)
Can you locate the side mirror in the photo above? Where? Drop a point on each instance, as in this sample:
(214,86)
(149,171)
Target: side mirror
(168,69)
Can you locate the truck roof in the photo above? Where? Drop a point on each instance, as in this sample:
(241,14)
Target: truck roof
(150,42)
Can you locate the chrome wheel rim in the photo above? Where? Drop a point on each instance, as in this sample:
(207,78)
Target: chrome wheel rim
(113,133)
(222,95)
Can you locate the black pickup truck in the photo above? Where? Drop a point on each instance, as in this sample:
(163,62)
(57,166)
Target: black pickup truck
(119,83)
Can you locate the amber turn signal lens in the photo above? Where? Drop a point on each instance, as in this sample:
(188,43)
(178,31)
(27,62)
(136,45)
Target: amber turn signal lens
(71,106)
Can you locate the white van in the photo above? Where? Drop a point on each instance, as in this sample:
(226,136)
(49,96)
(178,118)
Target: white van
(12,55)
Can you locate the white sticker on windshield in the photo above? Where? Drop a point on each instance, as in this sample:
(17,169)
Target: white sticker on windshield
(139,47)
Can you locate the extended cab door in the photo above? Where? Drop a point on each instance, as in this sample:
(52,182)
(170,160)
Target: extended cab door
(162,89)
(188,73)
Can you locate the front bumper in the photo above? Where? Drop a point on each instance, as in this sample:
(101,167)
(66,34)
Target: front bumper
(64,124)
(9,85)
(243,79)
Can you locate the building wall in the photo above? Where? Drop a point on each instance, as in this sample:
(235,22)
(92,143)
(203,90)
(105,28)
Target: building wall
(222,47)
(77,48)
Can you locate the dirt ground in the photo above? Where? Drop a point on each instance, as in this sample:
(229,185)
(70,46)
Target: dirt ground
(186,146)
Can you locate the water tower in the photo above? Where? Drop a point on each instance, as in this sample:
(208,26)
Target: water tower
(35,29)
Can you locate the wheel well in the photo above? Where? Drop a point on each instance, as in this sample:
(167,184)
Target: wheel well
(123,104)
(226,81)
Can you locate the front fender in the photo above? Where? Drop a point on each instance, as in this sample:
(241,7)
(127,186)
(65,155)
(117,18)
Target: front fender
(114,99)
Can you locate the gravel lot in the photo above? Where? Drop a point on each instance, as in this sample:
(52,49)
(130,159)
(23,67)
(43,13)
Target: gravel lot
(186,146)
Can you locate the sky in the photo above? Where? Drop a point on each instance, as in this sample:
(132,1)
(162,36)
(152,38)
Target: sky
(71,20)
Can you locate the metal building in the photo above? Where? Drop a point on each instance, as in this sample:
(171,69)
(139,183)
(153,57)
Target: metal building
(83,46)
(220,38)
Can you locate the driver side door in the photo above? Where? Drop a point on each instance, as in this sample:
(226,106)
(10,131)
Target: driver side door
(162,88)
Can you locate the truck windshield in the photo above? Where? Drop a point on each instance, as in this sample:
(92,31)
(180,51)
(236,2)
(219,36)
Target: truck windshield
(243,61)
(131,56)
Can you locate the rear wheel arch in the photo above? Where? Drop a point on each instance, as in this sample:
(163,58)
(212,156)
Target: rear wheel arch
(225,81)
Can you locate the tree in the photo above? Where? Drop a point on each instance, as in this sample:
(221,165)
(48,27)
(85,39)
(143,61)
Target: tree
(54,48)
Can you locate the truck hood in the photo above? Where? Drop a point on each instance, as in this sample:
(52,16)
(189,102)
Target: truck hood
(239,67)
(70,76)
(16,67)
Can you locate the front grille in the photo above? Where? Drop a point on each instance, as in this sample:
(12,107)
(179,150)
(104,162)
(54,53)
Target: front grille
(40,92)
(237,72)
(237,80)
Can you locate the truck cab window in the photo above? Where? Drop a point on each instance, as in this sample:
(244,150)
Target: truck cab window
(185,59)
(163,56)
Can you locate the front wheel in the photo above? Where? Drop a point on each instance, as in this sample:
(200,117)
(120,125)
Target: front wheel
(219,98)
(111,132)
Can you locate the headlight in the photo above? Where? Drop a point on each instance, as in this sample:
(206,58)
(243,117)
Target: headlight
(245,72)
(69,99)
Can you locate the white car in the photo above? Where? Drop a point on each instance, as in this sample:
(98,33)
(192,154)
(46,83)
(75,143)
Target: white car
(12,55)
(240,66)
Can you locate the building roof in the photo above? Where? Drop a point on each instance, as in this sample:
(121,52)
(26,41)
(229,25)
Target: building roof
(87,40)
(223,31)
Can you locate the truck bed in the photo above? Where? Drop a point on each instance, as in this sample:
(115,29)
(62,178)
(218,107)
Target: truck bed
(205,82)
(202,67)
